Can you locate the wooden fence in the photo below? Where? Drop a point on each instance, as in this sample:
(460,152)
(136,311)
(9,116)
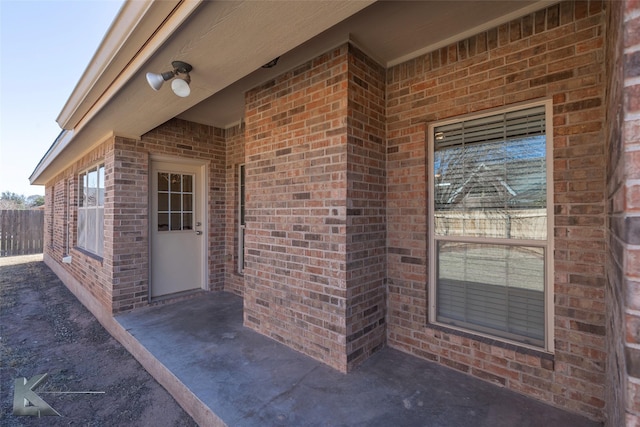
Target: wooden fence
(21,232)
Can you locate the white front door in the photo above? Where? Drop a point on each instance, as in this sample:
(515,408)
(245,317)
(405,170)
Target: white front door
(178,232)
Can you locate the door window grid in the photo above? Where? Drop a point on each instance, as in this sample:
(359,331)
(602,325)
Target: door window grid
(175,201)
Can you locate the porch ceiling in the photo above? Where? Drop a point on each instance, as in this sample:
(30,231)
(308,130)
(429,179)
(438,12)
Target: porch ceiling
(390,32)
(228,42)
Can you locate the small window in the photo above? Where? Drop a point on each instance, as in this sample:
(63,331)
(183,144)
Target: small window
(91,210)
(490,225)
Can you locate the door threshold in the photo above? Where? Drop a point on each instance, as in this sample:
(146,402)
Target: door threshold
(178,296)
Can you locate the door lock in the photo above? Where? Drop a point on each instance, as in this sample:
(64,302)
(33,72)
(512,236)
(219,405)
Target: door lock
(199,233)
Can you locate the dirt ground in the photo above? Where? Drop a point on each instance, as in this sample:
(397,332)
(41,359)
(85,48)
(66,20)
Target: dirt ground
(44,329)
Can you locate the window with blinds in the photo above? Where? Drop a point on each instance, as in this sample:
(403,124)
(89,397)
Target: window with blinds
(91,190)
(489,230)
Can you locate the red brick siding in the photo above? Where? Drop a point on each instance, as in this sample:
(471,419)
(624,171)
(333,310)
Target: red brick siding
(554,53)
(623,274)
(366,210)
(296,174)
(328,201)
(180,139)
(119,280)
(59,218)
(233,281)
(55,231)
(92,271)
(126,225)
(214,147)
(48,217)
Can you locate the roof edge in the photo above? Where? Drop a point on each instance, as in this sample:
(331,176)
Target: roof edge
(109,69)
(62,140)
(121,43)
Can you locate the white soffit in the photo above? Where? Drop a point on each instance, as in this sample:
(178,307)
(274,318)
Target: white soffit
(391,32)
(228,41)
(135,23)
(224,41)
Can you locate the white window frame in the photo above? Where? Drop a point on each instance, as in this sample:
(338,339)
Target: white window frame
(548,244)
(96,211)
(67,209)
(241,215)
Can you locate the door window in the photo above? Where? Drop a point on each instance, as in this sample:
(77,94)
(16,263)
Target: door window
(175,201)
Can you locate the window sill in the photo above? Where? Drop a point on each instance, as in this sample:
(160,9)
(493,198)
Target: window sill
(543,355)
(89,254)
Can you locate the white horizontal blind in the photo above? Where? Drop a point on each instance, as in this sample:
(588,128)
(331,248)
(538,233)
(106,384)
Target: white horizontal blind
(496,289)
(91,190)
(500,127)
(490,183)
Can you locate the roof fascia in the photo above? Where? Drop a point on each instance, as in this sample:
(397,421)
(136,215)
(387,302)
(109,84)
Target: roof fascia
(62,140)
(135,23)
(77,113)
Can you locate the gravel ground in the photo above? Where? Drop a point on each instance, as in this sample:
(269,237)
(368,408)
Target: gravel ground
(44,329)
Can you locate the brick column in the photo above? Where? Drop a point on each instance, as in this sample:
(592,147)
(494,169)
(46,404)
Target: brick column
(126,227)
(315,238)
(623,267)
(366,208)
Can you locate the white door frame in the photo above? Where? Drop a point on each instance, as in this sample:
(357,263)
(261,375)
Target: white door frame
(203,194)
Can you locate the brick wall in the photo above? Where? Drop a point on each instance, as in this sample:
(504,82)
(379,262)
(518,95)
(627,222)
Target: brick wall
(315,237)
(234,136)
(335,155)
(126,225)
(48,217)
(366,208)
(296,174)
(61,214)
(623,273)
(176,138)
(59,218)
(556,53)
(54,224)
(119,280)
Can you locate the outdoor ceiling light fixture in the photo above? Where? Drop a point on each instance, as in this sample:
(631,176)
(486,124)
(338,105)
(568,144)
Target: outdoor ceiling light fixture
(180,85)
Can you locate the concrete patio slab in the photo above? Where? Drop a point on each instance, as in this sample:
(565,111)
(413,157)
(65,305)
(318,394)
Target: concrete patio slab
(246,379)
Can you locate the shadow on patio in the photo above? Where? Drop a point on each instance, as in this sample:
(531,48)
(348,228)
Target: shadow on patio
(224,373)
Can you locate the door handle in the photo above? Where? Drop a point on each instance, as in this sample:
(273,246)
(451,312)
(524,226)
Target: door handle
(199,233)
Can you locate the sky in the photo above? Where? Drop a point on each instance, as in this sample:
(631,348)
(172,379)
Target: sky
(45,46)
